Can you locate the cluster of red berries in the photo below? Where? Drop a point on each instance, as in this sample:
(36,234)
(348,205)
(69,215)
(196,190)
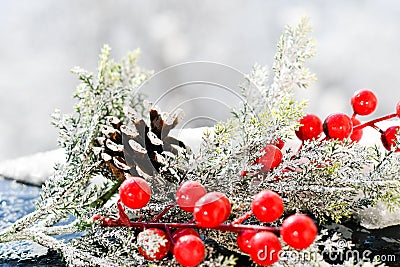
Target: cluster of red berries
(336,126)
(211,210)
(341,126)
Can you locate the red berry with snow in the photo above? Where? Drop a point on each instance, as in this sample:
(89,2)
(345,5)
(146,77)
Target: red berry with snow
(153,244)
(271,159)
(311,127)
(279,143)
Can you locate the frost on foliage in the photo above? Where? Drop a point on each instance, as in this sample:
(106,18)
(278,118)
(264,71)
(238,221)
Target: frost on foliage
(331,180)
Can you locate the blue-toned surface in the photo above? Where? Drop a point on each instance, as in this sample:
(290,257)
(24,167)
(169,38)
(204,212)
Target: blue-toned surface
(17,200)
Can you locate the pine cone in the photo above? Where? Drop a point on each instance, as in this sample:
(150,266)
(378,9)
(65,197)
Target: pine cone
(139,150)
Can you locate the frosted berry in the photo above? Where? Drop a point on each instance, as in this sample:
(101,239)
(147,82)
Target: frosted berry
(153,244)
(338,126)
(267,206)
(298,231)
(279,143)
(188,193)
(265,248)
(388,138)
(311,128)
(271,159)
(364,102)
(243,240)
(189,250)
(135,193)
(356,135)
(398,109)
(212,209)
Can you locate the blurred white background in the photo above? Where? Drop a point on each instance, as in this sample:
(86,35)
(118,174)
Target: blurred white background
(358,44)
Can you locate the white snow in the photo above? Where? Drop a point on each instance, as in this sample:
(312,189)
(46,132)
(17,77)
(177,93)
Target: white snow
(32,169)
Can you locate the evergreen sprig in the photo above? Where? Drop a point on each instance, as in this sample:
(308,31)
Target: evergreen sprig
(329,179)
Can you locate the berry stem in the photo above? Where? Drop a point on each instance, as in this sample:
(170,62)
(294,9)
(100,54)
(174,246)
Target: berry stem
(230,227)
(123,218)
(377,128)
(372,122)
(163,212)
(242,218)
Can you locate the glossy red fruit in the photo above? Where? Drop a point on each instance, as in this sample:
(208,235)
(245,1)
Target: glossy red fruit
(265,248)
(356,135)
(212,209)
(243,240)
(398,109)
(189,250)
(267,206)
(188,193)
(135,193)
(271,159)
(298,231)
(181,232)
(364,102)
(153,244)
(388,138)
(338,126)
(279,143)
(311,127)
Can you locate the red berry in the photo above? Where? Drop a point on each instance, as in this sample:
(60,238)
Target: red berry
(135,193)
(271,159)
(356,135)
(189,250)
(188,193)
(338,126)
(389,138)
(212,209)
(267,206)
(265,248)
(279,143)
(243,240)
(398,109)
(181,232)
(364,102)
(311,127)
(298,231)
(153,244)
